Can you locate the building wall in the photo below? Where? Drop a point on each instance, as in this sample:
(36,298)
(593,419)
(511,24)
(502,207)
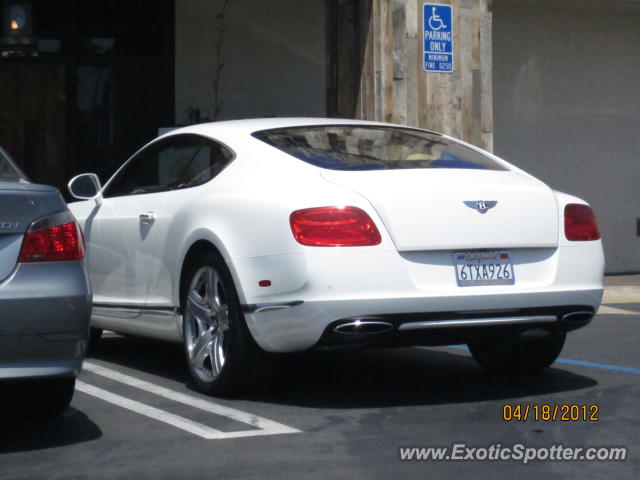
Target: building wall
(566,89)
(273,55)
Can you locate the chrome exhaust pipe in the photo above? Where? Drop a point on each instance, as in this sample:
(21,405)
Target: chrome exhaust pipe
(580,316)
(363,326)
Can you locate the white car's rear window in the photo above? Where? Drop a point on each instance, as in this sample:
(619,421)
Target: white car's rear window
(356,147)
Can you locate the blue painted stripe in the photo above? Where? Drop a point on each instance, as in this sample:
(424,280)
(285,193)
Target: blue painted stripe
(580,363)
(458,347)
(602,366)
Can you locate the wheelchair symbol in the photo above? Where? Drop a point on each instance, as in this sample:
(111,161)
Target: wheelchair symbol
(435,22)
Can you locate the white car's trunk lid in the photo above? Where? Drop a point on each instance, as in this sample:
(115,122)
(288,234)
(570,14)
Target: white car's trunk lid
(425,209)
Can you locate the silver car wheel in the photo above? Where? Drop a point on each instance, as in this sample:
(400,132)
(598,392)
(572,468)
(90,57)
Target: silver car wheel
(206,324)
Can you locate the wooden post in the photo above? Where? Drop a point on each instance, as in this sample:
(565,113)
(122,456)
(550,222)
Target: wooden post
(392,84)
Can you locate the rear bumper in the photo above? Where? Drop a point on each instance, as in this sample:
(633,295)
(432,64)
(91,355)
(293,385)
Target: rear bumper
(303,326)
(44,320)
(449,328)
(336,285)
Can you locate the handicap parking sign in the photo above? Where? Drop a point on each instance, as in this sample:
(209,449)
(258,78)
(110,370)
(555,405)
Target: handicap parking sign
(438,38)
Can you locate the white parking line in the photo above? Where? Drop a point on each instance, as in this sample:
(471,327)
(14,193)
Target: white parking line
(263,426)
(148,411)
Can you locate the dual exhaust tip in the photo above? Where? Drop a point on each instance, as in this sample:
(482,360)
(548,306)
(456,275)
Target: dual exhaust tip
(373,325)
(581,316)
(362,326)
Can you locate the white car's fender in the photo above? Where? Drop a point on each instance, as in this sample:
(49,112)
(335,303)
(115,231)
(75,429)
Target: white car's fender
(239,231)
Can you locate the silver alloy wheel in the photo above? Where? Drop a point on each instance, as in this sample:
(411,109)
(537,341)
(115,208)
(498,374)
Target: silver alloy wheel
(206,324)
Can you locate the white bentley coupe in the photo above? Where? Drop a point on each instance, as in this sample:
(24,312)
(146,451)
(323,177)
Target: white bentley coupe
(282,235)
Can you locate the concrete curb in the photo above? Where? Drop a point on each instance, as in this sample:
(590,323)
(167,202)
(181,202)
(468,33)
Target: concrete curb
(621,294)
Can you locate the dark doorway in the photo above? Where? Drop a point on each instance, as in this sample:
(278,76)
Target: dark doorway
(348,24)
(33,118)
(92,83)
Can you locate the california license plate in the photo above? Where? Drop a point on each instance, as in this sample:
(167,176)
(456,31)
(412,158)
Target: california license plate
(483,268)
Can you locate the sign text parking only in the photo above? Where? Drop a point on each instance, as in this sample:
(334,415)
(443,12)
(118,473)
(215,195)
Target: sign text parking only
(438,38)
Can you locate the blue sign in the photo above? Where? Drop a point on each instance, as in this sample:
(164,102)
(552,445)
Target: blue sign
(438,38)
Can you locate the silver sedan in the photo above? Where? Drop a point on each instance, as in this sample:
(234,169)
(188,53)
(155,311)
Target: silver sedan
(45,297)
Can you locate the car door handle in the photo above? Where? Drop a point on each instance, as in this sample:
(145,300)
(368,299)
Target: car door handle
(148,217)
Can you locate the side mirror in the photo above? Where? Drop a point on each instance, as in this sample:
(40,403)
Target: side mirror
(85,187)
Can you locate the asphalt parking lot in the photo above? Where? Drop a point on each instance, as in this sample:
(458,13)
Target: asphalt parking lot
(339,414)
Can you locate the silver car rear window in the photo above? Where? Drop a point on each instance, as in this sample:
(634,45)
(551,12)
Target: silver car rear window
(7,170)
(357,147)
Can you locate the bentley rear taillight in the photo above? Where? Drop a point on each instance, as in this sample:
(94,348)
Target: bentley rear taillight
(580,223)
(334,227)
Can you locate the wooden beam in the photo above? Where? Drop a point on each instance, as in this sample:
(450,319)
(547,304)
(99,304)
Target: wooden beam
(486,78)
(392,84)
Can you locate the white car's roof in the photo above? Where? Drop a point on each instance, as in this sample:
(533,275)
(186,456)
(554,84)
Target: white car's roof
(235,132)
(249,126)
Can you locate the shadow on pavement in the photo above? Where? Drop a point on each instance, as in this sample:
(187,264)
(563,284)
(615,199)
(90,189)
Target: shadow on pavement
(365,378)
(22,431)
(159,358)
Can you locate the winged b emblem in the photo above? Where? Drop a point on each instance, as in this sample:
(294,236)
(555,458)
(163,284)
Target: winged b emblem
(482,206)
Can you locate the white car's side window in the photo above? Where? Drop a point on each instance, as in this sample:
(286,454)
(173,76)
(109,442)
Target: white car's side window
(179,161)
(208,161)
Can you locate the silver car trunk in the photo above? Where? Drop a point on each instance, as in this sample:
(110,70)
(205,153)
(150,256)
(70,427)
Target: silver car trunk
(437,209)
(20,204)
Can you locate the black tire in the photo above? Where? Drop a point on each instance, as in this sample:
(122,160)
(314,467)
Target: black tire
(95,334)
(520,356)
(50,396)
(220,352)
